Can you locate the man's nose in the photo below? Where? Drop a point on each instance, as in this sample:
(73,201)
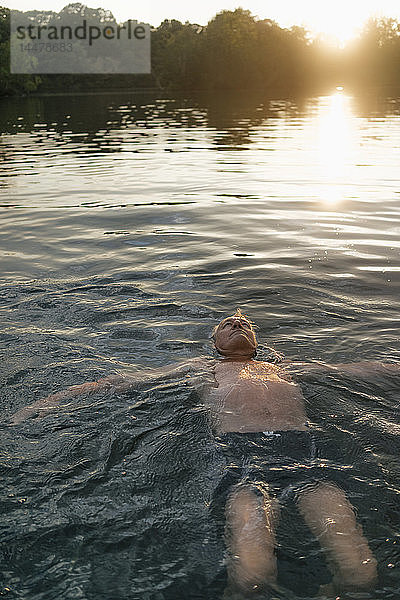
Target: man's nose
(236,323)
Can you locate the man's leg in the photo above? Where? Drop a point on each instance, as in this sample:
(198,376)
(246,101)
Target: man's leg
(250,536)
(331,518)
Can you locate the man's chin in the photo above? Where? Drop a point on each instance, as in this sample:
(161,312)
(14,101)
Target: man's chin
(238,350)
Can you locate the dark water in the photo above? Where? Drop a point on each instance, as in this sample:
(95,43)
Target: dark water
(130,225)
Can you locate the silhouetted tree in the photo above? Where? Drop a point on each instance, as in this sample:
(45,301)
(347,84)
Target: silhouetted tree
(12,83)
(175,49)
(235,50)
(374,58)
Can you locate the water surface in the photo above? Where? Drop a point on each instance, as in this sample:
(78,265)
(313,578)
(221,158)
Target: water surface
(129,225)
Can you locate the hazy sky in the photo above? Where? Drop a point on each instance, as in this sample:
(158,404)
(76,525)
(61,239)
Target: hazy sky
(339,18)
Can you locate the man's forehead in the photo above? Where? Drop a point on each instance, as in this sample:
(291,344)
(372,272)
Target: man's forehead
(237,318)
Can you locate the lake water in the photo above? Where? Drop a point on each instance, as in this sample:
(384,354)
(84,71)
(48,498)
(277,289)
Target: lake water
(130,224)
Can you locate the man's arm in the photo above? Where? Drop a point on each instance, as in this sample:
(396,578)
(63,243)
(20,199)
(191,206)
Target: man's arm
(45,405)
(363,369)
(368,368)
(116,383)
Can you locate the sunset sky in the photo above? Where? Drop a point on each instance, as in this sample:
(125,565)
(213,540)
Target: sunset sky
(339,19)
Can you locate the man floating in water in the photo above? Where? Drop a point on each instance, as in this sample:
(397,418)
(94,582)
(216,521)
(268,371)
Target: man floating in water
(258,414)
(259,411)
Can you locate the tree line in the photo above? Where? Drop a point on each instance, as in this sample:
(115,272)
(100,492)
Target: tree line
(235,50)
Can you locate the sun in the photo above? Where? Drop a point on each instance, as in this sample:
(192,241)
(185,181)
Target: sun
(337,25)
(339,34)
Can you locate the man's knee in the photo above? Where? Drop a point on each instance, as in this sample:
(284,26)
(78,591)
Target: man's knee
(326,504)
(249,506)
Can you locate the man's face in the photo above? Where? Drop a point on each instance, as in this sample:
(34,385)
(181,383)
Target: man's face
(234,336)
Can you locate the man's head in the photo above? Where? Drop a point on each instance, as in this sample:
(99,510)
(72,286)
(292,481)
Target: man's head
(234,337)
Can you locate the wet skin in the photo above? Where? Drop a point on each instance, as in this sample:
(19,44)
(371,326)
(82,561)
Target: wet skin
(251,395)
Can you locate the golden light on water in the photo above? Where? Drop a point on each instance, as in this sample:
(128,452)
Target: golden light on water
(336,146)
